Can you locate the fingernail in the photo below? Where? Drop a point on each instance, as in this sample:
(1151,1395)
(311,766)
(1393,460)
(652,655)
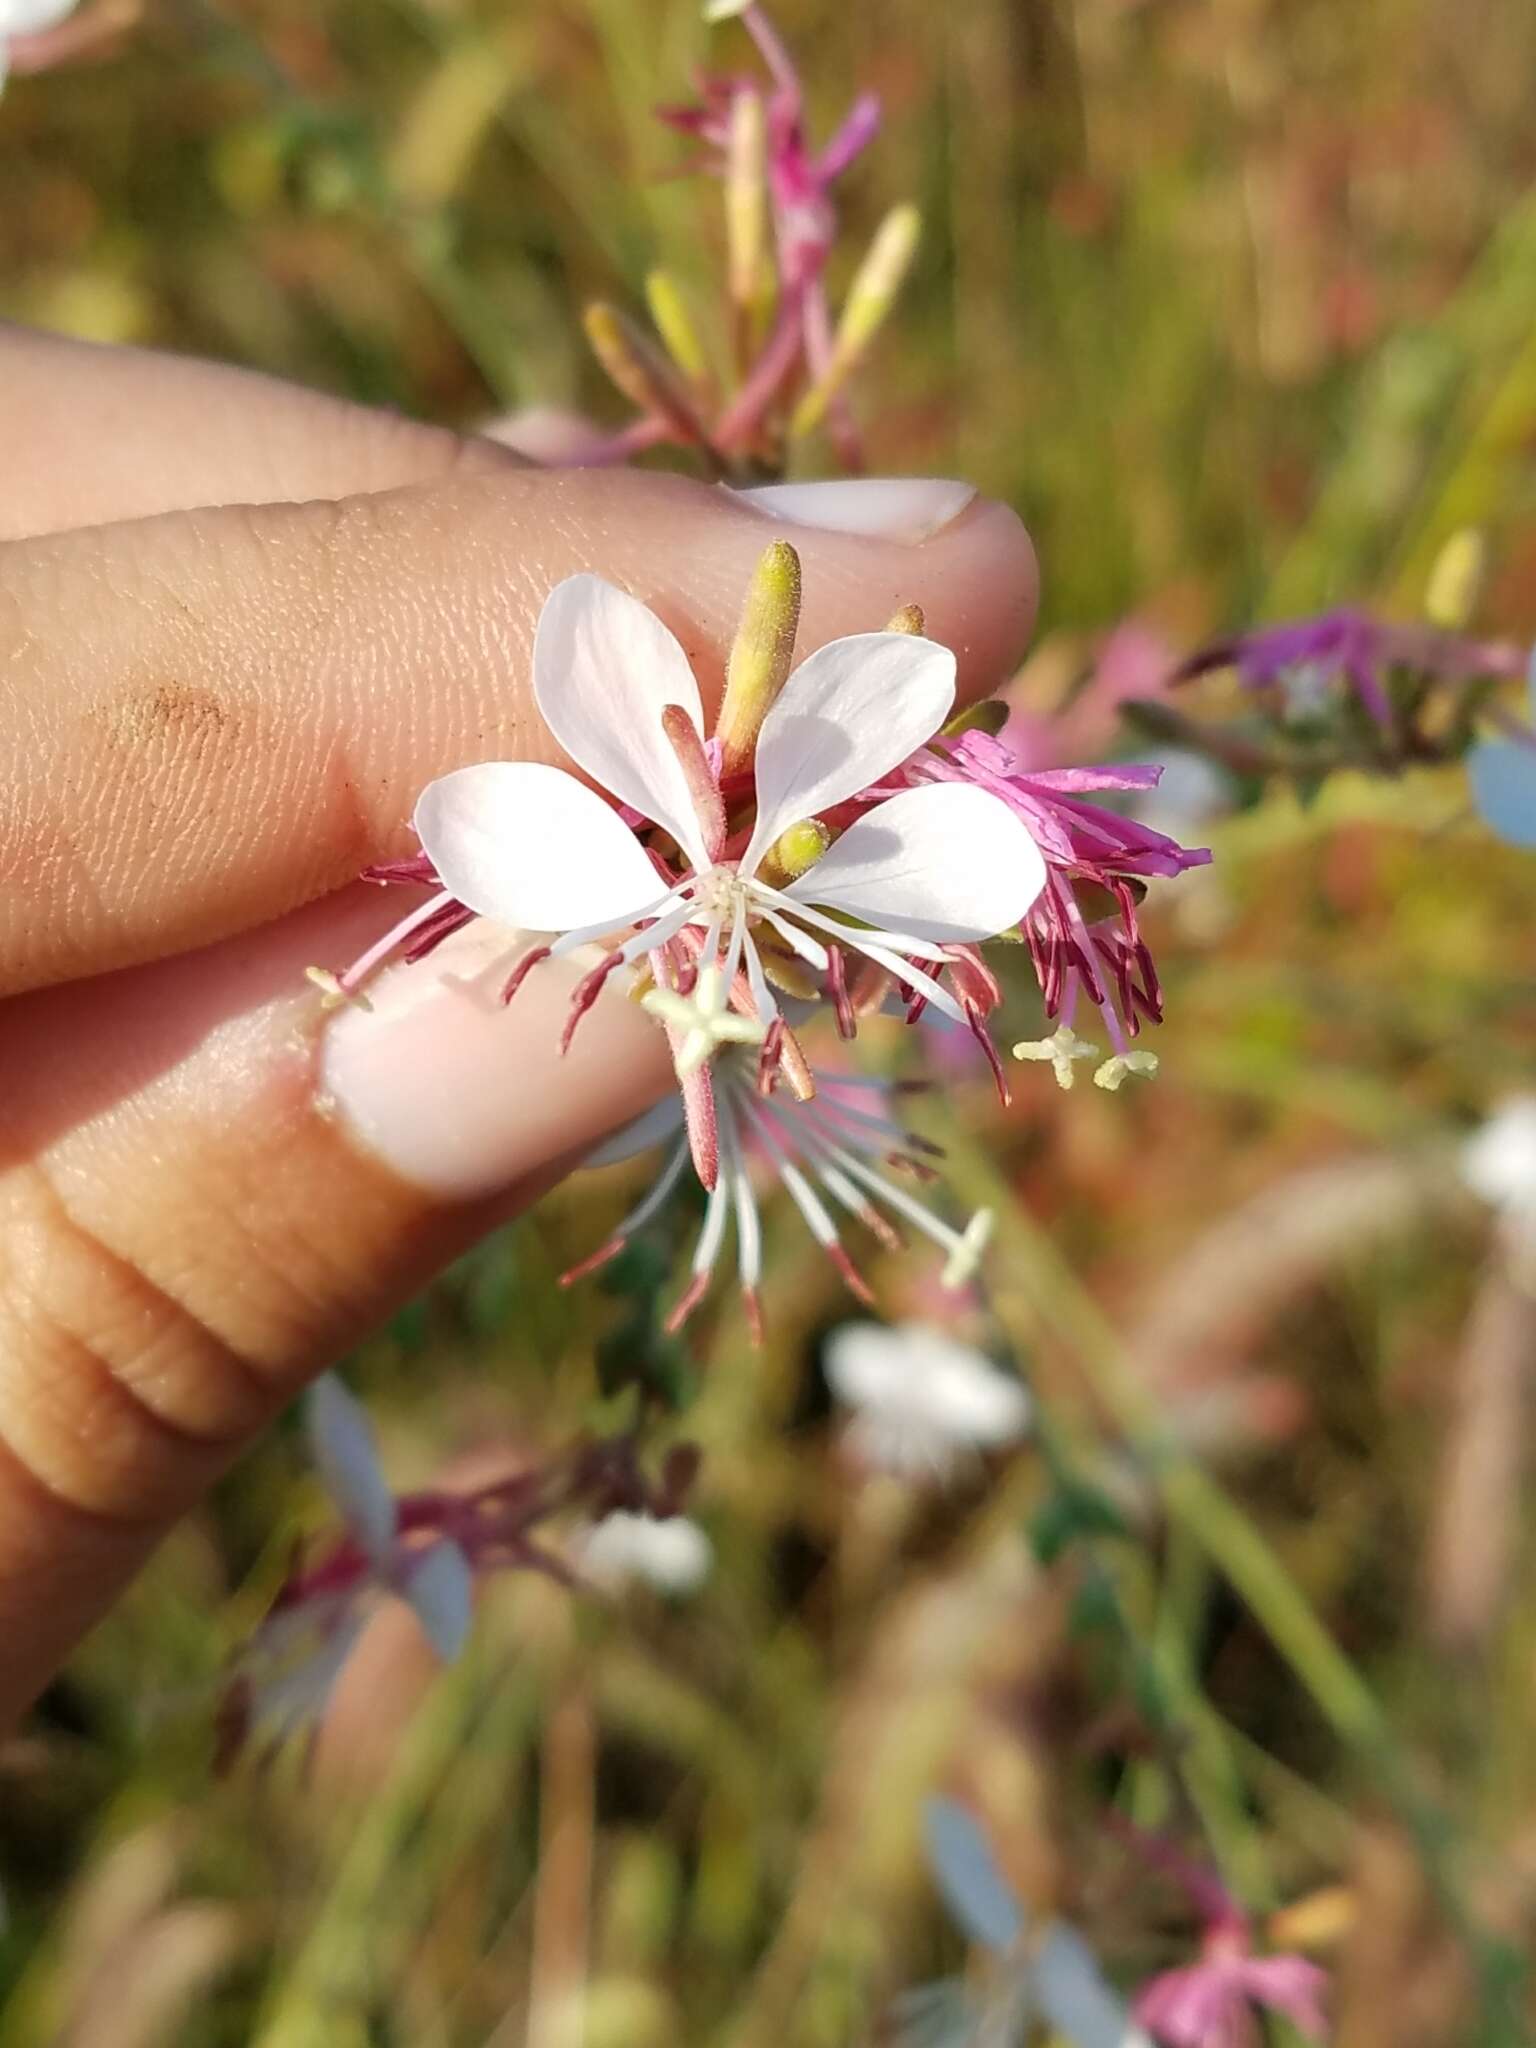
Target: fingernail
(902,508)
(462,1094)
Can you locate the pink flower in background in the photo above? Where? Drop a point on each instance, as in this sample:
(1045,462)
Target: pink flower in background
(1212,2003)
(1307,660)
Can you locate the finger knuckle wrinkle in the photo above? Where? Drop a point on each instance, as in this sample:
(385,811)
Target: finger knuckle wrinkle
(112,1396)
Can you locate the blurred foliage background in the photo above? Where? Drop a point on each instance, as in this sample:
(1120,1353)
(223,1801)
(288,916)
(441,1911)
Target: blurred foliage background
(1235,300)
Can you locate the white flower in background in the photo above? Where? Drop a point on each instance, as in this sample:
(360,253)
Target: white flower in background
(670,1554)
(289,1669)
(831,1147)
(1498,1162)
(922,1401)
(532,847)
(21,18)
(1045,1972)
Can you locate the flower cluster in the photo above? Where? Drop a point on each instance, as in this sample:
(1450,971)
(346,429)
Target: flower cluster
(790,359)
(427,1549)
(830,844)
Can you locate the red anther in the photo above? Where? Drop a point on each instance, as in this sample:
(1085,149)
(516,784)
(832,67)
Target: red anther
(596,1259)
(450,919)
(882,1228)
(983,1038)
(694,1293)
(522,970)
(752,1309)
(768,1058)
(850,1273)
(698,1095)
(837,982)
(796,1068)
(586,993)
(912,1169)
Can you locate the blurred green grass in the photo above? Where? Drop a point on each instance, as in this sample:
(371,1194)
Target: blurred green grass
(1234,301)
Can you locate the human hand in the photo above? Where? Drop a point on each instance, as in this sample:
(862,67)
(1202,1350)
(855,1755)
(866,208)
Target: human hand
(240,627)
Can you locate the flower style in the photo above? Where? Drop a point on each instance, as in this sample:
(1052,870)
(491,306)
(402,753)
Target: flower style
(1211,2003)
(922,1401)
(1047,1972)
(830,1145)
(289,1670)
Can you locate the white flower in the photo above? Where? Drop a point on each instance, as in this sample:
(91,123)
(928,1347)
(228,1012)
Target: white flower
(1498,1162)
(830,1146)
(670,1554)
(531,846)
(922,1400)
(1048,1972)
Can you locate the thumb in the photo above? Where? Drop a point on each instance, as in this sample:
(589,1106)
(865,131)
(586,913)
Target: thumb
(211,717)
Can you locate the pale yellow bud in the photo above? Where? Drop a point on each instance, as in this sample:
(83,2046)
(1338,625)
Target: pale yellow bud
(1456,581)
(674,323)
(795,852)
(761,655)
(639,371)
(870,299)
(746,200)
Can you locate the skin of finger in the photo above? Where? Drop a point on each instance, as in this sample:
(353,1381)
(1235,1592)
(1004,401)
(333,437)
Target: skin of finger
(213,717)
(95,434)
(186,1235)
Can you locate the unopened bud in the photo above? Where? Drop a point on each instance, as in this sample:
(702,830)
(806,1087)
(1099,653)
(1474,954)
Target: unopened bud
(1456,580)
(870,299)
(795,852)
(908,620)
(640,372)
(761,655)
(746,201)
(674,323)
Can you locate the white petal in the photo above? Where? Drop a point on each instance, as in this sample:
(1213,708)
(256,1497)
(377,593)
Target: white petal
(976,1892)
(653,1126)
(533,847)
(441,1590)
(604,670)
(672,1554)
(1503,778)
(846,716)
(341,1444)
(943,862)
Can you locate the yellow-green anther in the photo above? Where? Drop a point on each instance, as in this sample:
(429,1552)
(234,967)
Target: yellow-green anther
(795,851)
(870,298)
(990,716)
(762,655)
(639,371)
(674,323)
(1456,581)
(746,200)
(908,620)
